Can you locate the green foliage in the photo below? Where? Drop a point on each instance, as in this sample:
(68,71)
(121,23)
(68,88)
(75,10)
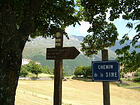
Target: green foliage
(21,18)
(69,65)
(78,71)
(103,34)
(129,25)
(43,17)
(129,60)
(93,10)
(37,52)
(86,71)
(51,17)
(34,68)
(46,70)
(124,38)
(23,71)
(137,74)
(136,79)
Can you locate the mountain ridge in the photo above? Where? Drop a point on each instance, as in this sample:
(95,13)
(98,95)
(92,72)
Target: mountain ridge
(117,44)
(36,50)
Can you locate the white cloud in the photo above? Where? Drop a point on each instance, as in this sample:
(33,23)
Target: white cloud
(68,29)
(79,30)
(84,27)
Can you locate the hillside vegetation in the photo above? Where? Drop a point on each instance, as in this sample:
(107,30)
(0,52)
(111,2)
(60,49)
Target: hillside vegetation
(36,50)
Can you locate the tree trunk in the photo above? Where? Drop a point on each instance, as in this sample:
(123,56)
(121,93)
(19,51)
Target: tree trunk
(13,36)
(36,76)
(10,64)
(11,46)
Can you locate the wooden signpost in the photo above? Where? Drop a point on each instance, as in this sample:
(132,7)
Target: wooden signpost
(58,54)
(62,53)
(106,89)
(106,71)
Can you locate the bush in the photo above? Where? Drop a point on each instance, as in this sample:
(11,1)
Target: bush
(23,72)
(84,71)
(87,72)
(137,79)
(34,68)
(46,70)
(137,74)
(78,71)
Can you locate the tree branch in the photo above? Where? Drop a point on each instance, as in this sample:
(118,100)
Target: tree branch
(27,26)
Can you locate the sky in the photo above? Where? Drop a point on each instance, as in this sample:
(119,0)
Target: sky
(81,30)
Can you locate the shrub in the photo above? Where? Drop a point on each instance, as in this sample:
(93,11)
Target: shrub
(23,72)
(87,71)
(83,70)
(137,79)
(34,68)
(78,71)
(137,74)
(46,70)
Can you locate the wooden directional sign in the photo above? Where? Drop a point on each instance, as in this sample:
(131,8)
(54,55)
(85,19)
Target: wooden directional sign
(58,54)
(62,53)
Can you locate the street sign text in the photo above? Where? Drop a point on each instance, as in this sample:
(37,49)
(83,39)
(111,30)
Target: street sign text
(106,71)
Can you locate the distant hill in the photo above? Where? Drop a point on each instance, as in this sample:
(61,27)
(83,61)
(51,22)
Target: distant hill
(80,38)
(36,50)
(117,44)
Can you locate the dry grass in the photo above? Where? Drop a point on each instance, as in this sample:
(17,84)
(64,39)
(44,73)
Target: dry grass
(74,93)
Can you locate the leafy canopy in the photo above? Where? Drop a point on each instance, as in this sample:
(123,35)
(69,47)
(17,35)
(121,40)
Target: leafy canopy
(103,33)
(84,71)
(34,68)
(41,17)
(23,71)
(46,17)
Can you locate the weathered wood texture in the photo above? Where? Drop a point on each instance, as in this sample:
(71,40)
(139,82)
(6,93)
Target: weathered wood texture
(106,88)
(58,72)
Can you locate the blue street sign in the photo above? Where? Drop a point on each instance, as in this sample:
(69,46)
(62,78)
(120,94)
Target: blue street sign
(105,71)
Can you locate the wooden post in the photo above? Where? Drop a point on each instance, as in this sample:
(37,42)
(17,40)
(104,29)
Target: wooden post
(58,72)
(58,54)
(58,82)
(106,89)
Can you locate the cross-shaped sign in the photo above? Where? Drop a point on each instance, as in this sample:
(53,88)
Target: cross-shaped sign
(58,54)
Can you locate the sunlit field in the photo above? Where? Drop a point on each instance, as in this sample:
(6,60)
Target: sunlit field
(74,93)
